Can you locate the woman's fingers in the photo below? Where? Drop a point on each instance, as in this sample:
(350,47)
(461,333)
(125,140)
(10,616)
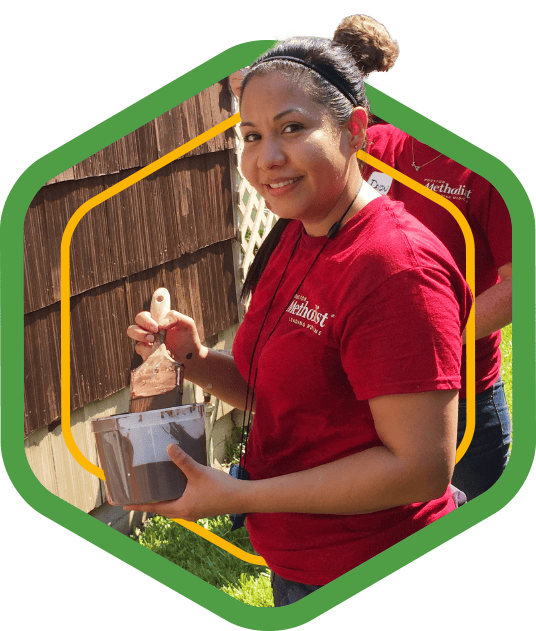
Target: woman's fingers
(143,335)
(144,340)
(145,324)
(139,334)
(185,463)
(166,509)
(144,320)
(181,334)
(171,508)
(177,320)
(208,492)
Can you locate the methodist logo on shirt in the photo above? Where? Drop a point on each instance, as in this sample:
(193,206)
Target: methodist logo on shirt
(308,317)
(444,188)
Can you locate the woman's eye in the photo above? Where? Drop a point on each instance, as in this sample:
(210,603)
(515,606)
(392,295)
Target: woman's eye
(251,137)
(292,127)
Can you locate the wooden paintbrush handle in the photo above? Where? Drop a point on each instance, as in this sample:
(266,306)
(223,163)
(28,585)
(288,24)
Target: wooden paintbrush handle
(160,304)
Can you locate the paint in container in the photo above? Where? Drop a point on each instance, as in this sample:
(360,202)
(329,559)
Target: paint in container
(133,454)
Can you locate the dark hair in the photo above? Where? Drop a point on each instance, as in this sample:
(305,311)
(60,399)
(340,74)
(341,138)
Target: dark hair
(369,42)
(327,65)
(328,75)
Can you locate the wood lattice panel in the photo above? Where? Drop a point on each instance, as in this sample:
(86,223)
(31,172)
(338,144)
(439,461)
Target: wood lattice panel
(253,218)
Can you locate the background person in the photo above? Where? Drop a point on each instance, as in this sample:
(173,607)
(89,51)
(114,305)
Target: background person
(490,222)
(350,347)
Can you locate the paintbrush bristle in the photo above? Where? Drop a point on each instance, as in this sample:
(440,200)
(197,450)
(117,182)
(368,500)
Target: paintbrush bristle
(158,379)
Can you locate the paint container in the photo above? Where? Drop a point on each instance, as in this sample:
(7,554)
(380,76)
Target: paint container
(133,455)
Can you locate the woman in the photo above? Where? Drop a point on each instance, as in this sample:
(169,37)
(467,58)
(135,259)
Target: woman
(351,345)
(490,222)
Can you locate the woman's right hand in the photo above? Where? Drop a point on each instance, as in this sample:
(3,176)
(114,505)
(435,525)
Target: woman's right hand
(211,370)
(182,338)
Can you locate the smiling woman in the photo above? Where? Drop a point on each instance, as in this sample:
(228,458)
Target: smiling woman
(296,156)
(349,352)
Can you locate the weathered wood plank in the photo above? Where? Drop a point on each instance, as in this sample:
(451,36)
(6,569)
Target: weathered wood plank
(201,285)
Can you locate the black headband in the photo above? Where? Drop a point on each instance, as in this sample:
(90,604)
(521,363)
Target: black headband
(327,77)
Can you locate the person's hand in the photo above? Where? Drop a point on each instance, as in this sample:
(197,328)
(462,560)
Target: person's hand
(182,339)
(209,492)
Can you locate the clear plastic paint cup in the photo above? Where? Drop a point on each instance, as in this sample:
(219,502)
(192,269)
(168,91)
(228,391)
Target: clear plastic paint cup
(133,452)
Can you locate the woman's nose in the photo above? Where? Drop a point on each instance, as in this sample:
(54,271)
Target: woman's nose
(270,154)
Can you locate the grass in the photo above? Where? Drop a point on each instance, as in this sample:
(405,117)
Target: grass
(256,592)
(506,351)
(233,446)
(247,583)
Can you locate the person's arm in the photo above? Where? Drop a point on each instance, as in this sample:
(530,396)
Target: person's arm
(215,372)
(414,464)
(493,307)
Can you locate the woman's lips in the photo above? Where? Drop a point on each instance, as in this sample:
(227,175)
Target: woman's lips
(277,189)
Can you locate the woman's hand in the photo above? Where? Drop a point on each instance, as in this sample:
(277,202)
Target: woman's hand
(215,372)
(208,493)
(182,339)
(413,465)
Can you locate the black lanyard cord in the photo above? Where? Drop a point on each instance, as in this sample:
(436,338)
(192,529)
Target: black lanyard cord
(246,423)
(245,435)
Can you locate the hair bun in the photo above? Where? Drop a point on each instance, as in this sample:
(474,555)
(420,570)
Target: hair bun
(369,42)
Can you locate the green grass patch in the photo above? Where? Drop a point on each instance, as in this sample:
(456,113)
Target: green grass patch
(244,581)
(233,447)
(506,367)
(252,591)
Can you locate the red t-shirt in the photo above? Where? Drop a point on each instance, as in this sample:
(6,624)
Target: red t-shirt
(479,202)
(379,313)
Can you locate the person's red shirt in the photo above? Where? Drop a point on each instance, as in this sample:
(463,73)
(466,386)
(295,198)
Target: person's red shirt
(380,312)
(476,198)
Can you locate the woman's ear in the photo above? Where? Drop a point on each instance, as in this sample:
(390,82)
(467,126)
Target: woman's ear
(357,126)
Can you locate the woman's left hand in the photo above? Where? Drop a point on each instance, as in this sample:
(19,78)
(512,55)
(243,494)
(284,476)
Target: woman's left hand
(209,492)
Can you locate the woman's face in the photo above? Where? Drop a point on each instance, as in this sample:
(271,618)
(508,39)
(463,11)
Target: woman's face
(295,155)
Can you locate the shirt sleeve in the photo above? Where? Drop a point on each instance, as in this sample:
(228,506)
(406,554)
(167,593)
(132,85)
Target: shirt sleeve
(405,337)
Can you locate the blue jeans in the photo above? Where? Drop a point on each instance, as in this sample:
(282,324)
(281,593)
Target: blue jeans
(287,592)
(488,453)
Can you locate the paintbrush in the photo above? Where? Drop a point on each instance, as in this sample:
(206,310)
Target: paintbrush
(157,382)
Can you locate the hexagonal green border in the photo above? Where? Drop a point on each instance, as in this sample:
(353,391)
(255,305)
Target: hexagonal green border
(22,477)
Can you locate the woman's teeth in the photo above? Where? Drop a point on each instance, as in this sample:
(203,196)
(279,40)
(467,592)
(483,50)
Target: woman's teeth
(281,184)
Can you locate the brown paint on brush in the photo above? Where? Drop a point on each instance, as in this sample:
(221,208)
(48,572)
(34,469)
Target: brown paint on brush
(157,382)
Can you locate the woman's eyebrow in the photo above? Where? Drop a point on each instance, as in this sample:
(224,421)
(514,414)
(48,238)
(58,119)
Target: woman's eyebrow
(277,116)
(291,110)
